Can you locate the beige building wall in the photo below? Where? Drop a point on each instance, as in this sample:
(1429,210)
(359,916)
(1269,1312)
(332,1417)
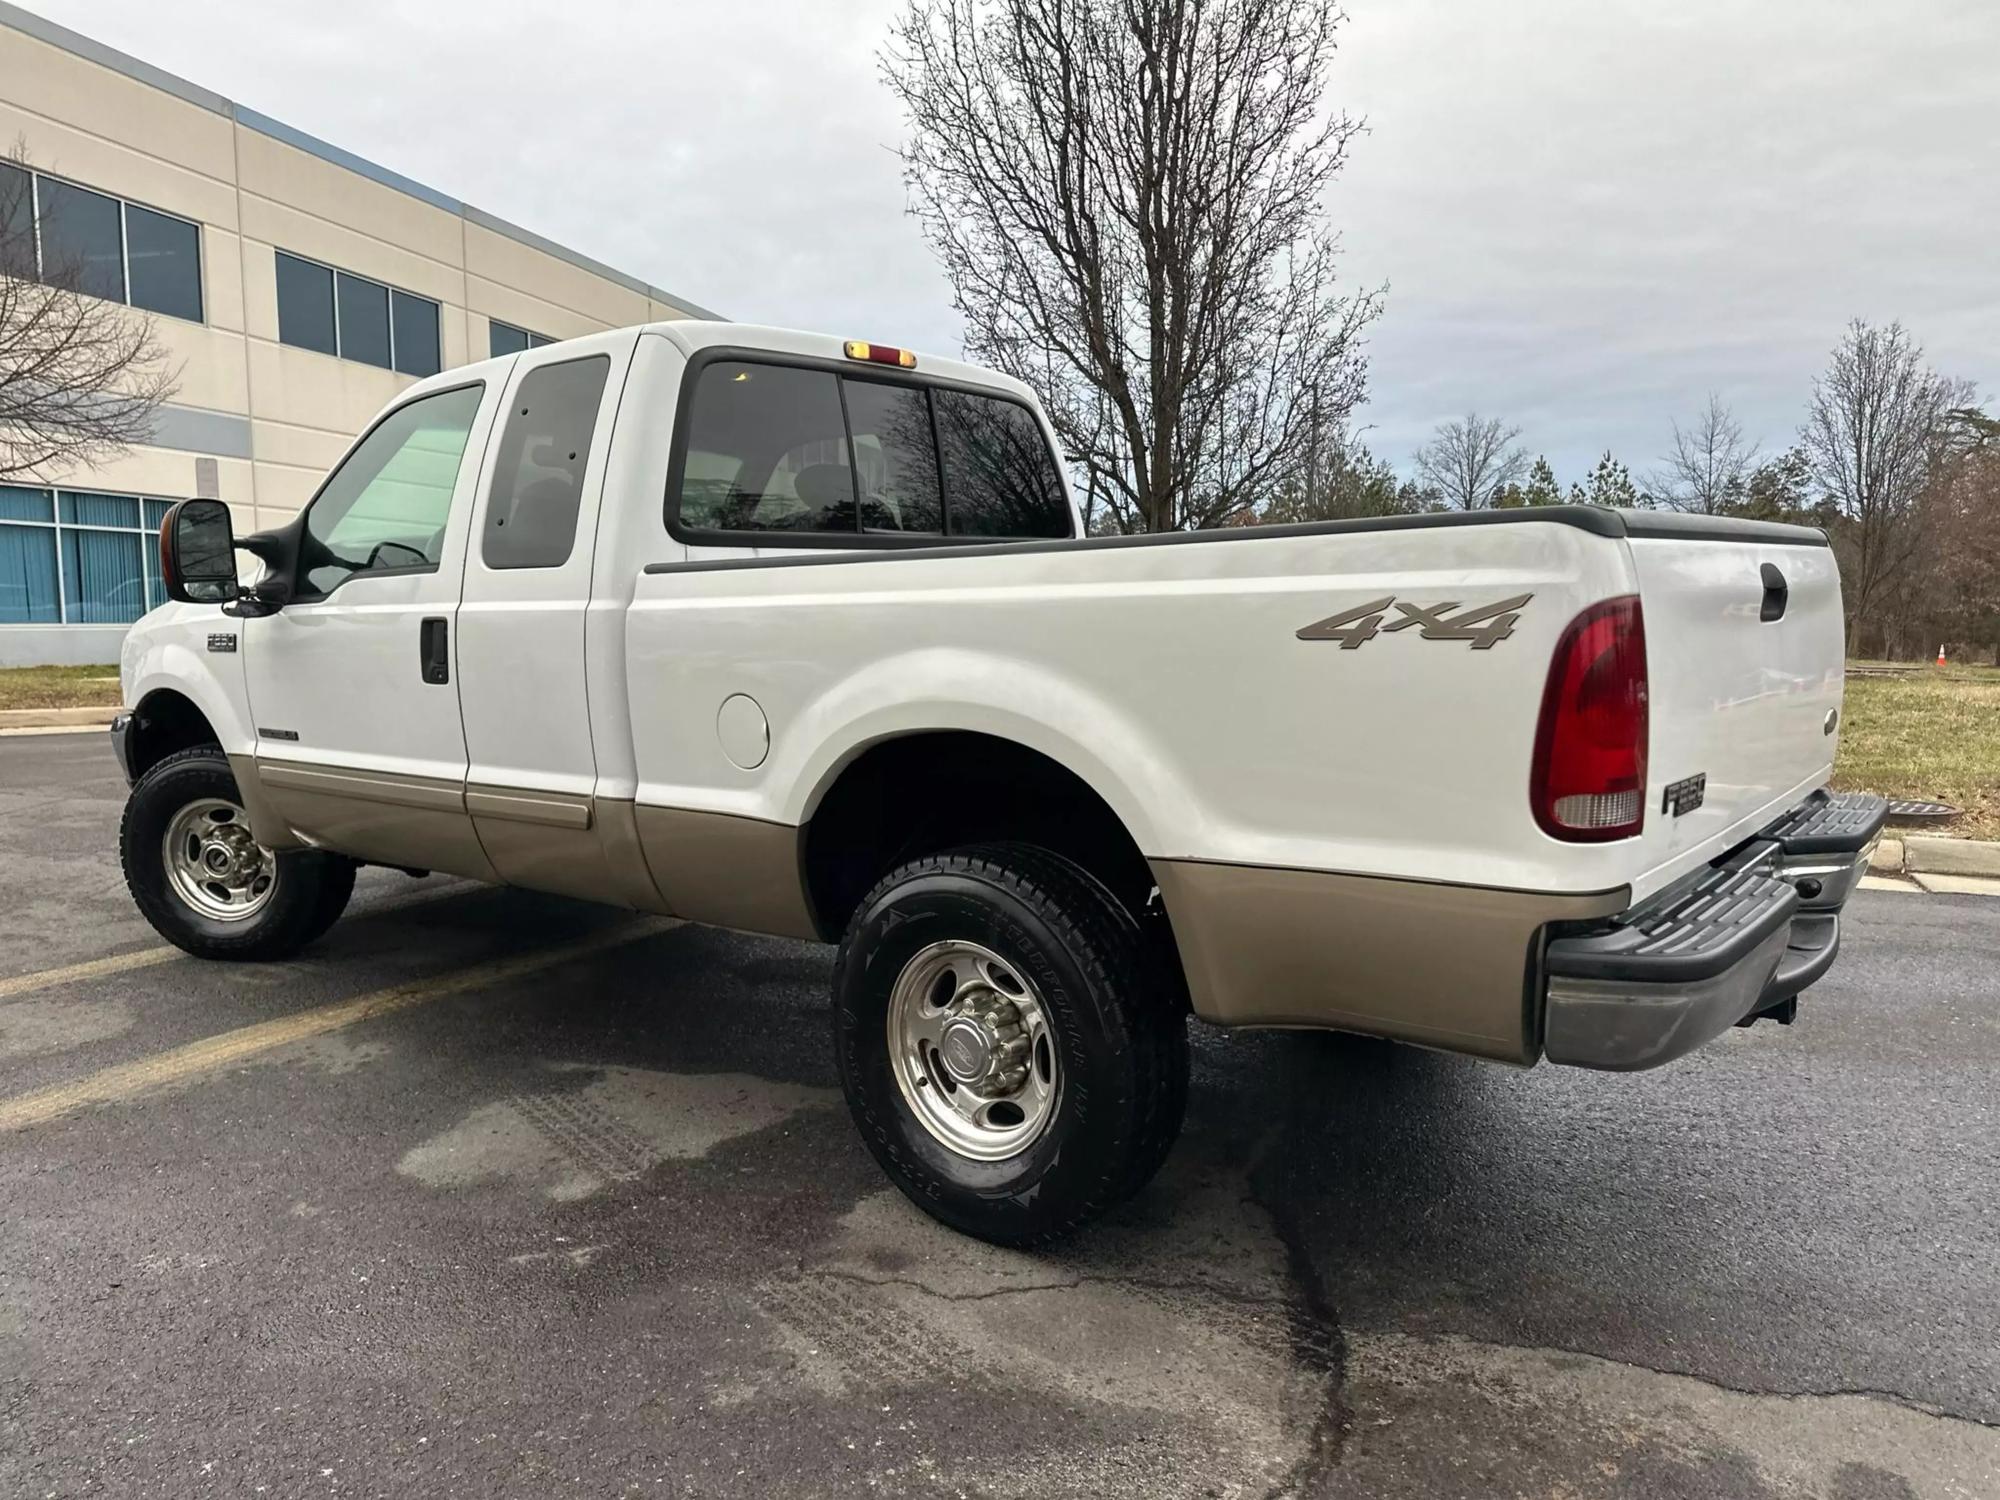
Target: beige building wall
(272,416)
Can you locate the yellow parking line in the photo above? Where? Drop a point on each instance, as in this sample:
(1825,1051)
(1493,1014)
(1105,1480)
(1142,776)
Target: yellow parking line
(124,1080)
(119,963)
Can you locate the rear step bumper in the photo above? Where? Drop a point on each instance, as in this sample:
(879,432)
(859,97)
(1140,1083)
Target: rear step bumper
(1732,943)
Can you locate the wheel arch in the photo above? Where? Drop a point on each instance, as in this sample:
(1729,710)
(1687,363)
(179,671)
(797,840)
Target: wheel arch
(900,796)
(165,721)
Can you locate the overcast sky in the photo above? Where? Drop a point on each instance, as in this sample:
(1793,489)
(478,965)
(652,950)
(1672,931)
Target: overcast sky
(1589,213)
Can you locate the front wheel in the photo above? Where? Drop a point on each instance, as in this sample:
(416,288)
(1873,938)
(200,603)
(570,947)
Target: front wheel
(1007,1043)
(201,878)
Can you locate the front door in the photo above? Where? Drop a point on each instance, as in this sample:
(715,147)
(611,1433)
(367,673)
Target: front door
(353,684)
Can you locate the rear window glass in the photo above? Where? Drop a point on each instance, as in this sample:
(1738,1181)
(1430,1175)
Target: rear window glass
(538,473)
(895,459)
(767,451)
(999,477)
(776,448)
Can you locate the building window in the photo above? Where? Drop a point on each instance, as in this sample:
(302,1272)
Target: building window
(505,338)
(336,312)
(104,246)
(78,557)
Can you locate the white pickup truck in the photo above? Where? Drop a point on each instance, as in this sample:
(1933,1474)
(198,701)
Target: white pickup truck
(773,631)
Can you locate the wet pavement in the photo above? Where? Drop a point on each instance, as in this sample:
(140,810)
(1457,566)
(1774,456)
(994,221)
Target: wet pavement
(493,1194)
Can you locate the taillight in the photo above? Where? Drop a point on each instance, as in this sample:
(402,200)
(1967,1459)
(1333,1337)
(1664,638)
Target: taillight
(1589,782)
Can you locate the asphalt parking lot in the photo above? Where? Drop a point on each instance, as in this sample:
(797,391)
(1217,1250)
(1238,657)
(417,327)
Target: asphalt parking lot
(491,1194)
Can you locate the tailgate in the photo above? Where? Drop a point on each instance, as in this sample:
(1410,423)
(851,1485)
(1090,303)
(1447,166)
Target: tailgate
(1744,653)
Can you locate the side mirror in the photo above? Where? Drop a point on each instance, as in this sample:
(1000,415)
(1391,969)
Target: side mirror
(198,553)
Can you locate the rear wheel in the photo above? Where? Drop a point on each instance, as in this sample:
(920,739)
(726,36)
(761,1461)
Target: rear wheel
(1008,1045)
(201,878)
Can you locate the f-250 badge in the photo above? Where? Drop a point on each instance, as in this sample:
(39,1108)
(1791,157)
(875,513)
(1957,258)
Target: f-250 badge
(1485,625)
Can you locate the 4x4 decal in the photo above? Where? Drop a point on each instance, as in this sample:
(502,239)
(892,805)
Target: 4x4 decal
(1485,625)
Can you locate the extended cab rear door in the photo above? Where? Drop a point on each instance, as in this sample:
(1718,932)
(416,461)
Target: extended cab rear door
(532,767)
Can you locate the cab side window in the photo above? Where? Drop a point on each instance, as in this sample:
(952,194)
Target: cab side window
(538,473)
(385,508)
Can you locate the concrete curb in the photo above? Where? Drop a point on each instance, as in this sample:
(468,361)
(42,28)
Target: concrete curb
(1925,862)
(1927,854)
(49,718)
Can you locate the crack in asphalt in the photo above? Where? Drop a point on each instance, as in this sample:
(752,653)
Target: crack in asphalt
(1861,1392)
(1319,1344)
(1069,1284)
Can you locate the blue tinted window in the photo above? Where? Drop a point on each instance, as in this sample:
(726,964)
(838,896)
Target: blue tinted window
(17,223)
(305,304)
(504,338)
(364,320)
(28,575)
(156,512)
(26,505)
(104,577)
(416,320)
(165,259)
(81,243)
(99,510)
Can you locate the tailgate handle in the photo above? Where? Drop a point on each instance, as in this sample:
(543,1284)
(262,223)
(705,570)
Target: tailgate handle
(1775,594)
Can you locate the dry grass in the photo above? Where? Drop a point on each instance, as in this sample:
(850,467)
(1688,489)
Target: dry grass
(1928,732)
(58,687)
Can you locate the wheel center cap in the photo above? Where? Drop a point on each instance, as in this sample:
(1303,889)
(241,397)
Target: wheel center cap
(966,1048)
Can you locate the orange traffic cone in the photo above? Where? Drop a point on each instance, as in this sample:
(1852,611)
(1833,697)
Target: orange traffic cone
(1940,653)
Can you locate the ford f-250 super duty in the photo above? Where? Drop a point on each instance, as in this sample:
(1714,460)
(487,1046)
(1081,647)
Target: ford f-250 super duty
(798,636)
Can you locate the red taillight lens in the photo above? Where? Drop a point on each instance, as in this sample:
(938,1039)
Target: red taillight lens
(1589,780)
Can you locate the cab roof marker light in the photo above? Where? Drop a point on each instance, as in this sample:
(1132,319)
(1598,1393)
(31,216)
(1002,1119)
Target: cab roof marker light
(880,354)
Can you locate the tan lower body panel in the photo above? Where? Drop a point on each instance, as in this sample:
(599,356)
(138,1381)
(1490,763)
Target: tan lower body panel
(587,847)
(416,822)
(1441,965)
(703,866)
(728,871)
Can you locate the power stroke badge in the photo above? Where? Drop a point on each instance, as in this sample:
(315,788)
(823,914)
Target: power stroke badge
(1484,625)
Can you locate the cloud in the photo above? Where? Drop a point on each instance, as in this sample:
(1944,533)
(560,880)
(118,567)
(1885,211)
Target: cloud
(1590,213)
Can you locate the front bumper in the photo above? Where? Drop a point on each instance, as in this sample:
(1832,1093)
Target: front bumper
(1729,944)
(121,736)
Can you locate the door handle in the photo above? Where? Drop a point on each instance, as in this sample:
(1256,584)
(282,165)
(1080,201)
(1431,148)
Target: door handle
(434,650)
(1776,592)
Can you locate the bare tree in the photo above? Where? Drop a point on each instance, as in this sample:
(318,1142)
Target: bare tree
(1876,432)
(80,377)
(1127,199)
(1710,462)
(1470,460)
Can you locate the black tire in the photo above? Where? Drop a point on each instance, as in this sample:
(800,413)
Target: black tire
(336,889)
(1121,1036)
(309,890)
